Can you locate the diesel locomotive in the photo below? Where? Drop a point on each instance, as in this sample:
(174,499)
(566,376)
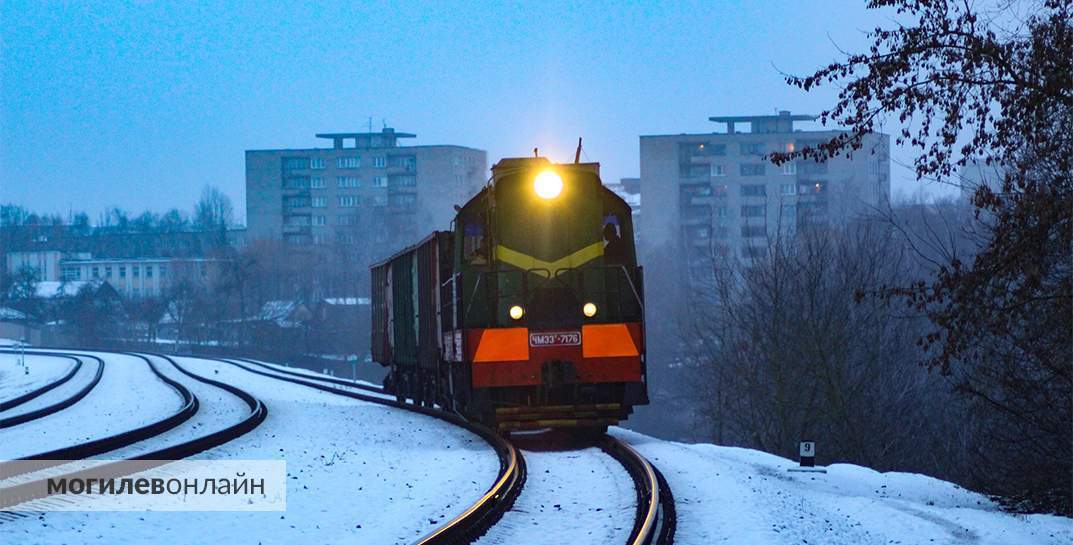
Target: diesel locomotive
(528,313)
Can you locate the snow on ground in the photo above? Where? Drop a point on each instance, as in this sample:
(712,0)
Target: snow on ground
(575,495)
(15,381)
(734,495)
(217,409)
(359,473)
(129,395)
(316,374)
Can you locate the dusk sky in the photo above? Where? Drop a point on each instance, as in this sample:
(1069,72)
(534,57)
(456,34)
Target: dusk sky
(141,105)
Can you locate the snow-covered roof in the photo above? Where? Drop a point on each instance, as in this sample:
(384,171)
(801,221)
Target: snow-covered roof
(347,300)
(7,313)
(51,288)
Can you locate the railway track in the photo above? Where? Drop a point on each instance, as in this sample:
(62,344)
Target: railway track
(475,520)
(27,416)
(656,519)
(37,392)
(30,490)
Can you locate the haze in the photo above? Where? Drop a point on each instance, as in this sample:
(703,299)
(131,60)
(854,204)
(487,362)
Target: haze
(142,105)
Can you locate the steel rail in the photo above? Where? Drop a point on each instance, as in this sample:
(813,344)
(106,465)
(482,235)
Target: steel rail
(31,490)
(23,398)
(101,445)
(475,520)
(656,517)
(58,406)
(325,378)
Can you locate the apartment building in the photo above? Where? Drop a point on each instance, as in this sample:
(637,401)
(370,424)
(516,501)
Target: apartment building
(366,188)
(715,195)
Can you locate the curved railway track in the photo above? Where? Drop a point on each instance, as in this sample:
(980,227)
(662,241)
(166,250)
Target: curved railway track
(59,405)
(101,445)
(36,392)
(475,520)
(656,518)
(31,490)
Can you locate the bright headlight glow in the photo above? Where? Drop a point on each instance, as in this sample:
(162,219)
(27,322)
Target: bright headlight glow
(548,185)
(589,309)
(516,312)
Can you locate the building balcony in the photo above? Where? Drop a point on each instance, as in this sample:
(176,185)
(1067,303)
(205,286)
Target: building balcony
(289,229)
(696,220)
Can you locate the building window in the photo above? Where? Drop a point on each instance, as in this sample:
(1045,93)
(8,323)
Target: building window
(320,202)
(379,181)
(789,168)
(348,201)
(379,200)
(295,163)
(347,181)
(754,190)
(295,202)
(122,271)
(347,220)
(348,162)
(789,211)
(320,238)
(163,271)
(148,271)
(320,221)
(316,163)
(749,231)
(814,187)
(316,182)
(720,211)
(404,181)
(752,148)
(296,182)
(136,271)
(408,162)
(788,189)
(72,273)
(403,199)
(719,170)
(752,170)
(748,211)
(379,161)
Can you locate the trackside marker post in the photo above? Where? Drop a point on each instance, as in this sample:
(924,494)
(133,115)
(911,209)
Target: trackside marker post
(807,454)
(807,459)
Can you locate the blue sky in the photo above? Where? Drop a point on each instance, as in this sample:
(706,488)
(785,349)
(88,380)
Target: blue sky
(142,104)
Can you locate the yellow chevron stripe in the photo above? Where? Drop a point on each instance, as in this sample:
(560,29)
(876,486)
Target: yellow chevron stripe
(525,261)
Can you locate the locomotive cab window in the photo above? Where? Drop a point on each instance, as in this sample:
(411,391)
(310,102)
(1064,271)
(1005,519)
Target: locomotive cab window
(475,244)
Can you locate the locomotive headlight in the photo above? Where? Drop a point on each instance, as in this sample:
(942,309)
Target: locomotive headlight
(589,309)
(548,185)
(516,312)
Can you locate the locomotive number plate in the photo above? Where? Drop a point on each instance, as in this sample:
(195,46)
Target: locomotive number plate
(555,338)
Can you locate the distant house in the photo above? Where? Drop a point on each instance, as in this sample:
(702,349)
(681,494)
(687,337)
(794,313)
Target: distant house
(14,327)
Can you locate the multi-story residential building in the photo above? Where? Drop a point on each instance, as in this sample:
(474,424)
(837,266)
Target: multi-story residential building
(716,195)
(372,191)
